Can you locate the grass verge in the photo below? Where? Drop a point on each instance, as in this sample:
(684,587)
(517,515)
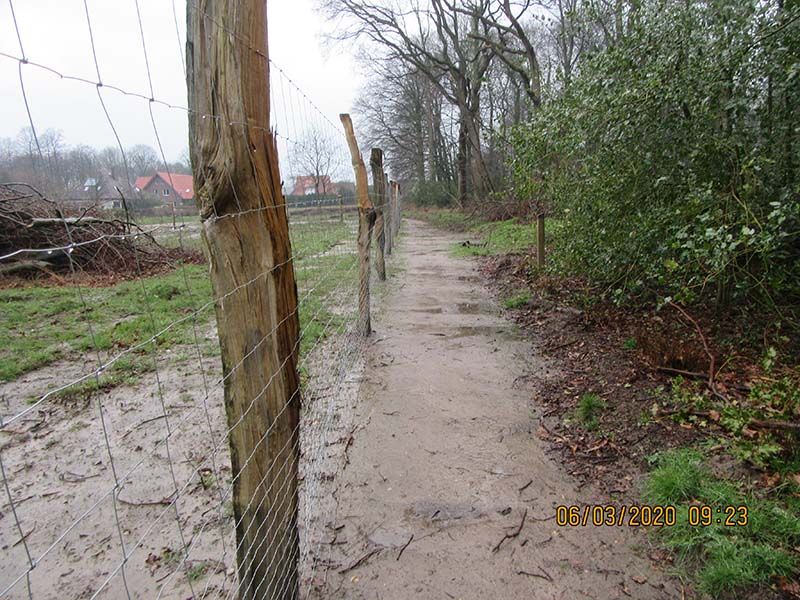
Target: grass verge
(731,539)
(500,237)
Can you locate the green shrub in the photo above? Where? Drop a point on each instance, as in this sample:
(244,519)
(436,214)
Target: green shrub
(667,160)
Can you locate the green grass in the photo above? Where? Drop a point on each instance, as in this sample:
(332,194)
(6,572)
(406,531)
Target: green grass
(444,218)
(322,313)
(42,324)
(588,410)
(517,300)
(727,560)
(165,219)
(500,237)
(496,237)
(196,571)
(318,237)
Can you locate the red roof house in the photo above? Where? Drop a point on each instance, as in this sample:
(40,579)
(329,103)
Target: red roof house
(171,187)
(305,185)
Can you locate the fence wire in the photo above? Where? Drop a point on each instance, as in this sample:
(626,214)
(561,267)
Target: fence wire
(114,454)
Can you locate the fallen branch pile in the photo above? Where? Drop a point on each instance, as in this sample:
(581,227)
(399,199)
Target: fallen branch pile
(37,236)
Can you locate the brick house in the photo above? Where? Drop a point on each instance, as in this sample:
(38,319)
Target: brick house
(305,185)
(168,187)
(102,191)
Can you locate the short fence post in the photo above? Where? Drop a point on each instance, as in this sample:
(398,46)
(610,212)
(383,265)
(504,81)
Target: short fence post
(379,183)
(258,326)
(366,220)
(341,208)
(540,240)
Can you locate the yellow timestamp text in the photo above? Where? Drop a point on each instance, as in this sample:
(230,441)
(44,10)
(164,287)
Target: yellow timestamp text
(647,515)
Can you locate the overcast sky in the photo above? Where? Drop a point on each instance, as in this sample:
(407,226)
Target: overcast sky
(55,34)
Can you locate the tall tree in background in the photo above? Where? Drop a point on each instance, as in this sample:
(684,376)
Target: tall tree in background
(315,156)
(444,43)
(403,115)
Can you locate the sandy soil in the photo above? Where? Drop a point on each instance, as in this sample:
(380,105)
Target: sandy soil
(445,461)
(61,479)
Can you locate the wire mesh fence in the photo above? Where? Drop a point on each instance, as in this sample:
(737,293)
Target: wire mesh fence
(116,419)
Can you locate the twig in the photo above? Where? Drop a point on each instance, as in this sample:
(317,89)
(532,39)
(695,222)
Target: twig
(24,537)
(544,574)
(75,478)
(17,502)
(681,372)
(361,560)
(542,519)
(772,424)
(525,487)
(509,536)
(564,345)
(142,424)
(399,554)
(711,371)
(163,502)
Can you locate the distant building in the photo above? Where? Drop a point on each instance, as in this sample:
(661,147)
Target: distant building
(102,191)
(168,187)
(306,185)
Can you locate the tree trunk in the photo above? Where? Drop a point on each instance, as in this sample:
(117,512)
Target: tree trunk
(478,172)
(246,233)
(462,162)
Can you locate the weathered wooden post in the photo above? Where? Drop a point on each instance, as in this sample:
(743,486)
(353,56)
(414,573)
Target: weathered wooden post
(392,206)
(395,208)
(379,184)
(246,234)
(387,216)
(366,220)
(540,240)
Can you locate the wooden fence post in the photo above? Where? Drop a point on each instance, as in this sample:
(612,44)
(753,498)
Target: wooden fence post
(379,183)
(246,234)
(387,215)
(540,240)
(366,220)
(396,208)
(392,185)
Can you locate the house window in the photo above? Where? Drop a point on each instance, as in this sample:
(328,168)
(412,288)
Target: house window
(166,191)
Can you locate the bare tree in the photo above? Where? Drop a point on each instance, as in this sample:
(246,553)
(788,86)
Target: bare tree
(444,42)
(142,160)
(316,156)
(403,115)
(110,159)
(510,41)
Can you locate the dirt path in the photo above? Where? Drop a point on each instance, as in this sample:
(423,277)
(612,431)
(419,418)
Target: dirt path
(445,448)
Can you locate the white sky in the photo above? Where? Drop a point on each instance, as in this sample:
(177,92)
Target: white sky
(55,33)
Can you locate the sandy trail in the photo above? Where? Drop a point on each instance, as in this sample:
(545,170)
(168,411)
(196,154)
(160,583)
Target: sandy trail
(445,446)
